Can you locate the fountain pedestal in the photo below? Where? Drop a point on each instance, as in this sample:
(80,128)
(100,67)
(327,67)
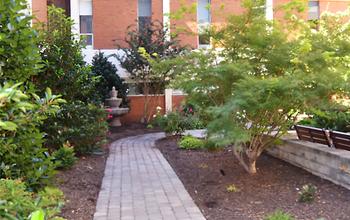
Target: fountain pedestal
(112,107)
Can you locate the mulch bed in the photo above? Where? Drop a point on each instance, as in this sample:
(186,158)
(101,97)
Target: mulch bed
(81,184)
(206,176)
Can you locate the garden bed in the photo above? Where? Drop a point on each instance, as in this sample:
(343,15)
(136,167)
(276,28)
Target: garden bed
(81,184)
(206,175)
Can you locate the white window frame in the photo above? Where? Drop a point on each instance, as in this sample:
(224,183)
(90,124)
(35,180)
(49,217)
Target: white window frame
(203,25)
(86,10)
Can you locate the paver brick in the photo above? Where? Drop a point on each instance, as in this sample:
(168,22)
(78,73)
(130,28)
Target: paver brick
(139,184)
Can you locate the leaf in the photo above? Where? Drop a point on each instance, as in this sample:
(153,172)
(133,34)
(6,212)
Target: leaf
(8,125)
(38,215)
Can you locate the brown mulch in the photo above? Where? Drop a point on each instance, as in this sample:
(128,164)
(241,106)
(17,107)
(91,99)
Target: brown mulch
(206,175)
(81,183)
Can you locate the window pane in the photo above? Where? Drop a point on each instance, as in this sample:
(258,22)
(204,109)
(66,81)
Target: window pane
(313,10)
(85,24)
(87,39)
(203,11)
(143,23)
(145,8)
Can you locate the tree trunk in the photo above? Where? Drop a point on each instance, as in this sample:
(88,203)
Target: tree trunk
(252,166)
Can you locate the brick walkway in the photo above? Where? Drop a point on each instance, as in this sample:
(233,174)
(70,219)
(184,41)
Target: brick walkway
(140,184)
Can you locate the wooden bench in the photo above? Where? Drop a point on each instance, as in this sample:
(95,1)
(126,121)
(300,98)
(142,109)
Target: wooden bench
(315,135)
(340,140)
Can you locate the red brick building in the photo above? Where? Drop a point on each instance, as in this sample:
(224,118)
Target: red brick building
(104,22)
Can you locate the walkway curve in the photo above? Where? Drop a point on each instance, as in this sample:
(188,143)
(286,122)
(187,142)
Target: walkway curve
(139,184)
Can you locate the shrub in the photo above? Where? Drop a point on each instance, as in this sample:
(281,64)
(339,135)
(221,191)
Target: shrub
(279,215)
(177,122)
(108,77)
(64,157)
(17,203)
(83,125)
(191,143)
(19,54)
(307,193)
(65,71)
(232,188)
(22,154)
(337,120)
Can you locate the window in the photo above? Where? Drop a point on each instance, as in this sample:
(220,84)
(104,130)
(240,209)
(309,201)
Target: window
(85,21)
(203,19)
(144,13)
(314,13)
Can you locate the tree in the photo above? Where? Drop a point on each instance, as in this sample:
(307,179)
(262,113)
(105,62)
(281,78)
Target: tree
(107,72)
(64,71)
(19,55)
(263,76)
(149,43)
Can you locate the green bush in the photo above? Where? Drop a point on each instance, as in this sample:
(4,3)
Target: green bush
(337,120)
(307,193)
(83,125)
(65,71)
(17,203)
(22,154)
(279,215)
(190,143)
(64,157)
(107,72)
(19,54)
(177,122)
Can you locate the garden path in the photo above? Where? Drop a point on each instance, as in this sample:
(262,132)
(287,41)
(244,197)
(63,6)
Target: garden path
(140,184)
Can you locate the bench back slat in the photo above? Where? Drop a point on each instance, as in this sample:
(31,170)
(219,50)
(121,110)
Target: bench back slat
(315,135)
(340,140)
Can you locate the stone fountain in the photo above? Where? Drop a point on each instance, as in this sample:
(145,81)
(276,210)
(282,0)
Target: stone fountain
(112,106)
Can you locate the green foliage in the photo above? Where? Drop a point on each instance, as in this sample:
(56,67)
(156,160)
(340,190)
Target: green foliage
(307,193)
(263,76)
(107,73)
(232,188)
(83,125)
(19,55)
(279,215)
(336,120)
(22,154)
(16,203)
(65,71)
(190,143)
(64,157)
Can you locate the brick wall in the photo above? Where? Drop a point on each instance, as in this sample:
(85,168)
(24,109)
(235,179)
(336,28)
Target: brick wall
(110,21)
(137,106)
(39,10)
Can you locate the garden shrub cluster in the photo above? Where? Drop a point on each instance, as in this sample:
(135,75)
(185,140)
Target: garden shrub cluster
(337,120)
(279,215)
(49,109)
(18,203)
(177,122)
(191,143)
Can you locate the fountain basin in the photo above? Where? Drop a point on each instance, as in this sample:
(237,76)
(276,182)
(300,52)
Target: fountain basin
(116,113)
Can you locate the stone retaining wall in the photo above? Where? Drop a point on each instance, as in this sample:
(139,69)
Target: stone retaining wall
(328,163)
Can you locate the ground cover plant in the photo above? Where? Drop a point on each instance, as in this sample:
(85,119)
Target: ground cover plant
(255,87)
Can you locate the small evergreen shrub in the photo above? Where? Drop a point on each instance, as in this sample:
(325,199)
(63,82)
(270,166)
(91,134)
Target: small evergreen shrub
(191,143)
(279,215)
(83,125)
(108,77)
(18,203)
(64,157)
(307,193)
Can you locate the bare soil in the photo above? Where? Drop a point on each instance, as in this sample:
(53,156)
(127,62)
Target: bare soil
(206,175)
(81,184)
